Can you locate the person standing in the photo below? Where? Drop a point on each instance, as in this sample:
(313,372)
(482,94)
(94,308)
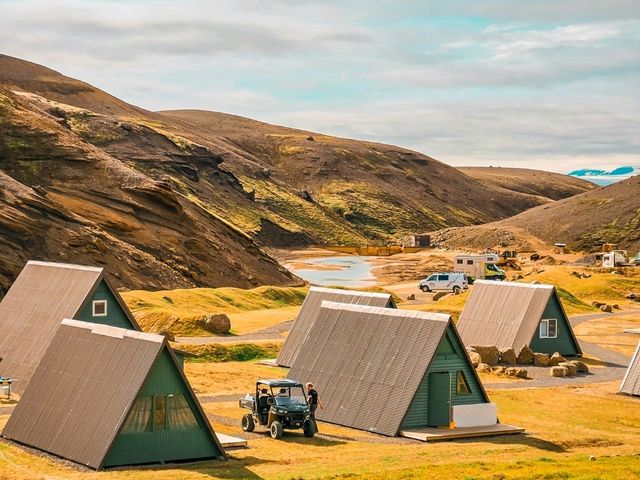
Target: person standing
(314,402)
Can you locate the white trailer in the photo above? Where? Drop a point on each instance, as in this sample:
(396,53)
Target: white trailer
(615,258)
(479,266)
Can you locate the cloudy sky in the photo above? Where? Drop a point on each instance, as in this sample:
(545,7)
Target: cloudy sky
(541,84)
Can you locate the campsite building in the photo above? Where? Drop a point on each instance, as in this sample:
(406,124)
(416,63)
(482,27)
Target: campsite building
(309,311)
(631,381)
(105,396)
(43,294)
(392,371)
(512,314)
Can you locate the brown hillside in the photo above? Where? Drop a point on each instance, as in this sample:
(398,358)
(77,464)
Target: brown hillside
(608,214)
(186,197)
(535,184)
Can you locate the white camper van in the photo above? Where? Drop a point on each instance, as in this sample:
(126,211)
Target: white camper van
(479,267)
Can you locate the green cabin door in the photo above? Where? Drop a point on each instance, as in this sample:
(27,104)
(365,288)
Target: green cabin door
(439,399)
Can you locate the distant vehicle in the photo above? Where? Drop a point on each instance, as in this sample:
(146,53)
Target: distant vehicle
(636,260)
(615,258)
(479,267)
(453,281)
(278,405)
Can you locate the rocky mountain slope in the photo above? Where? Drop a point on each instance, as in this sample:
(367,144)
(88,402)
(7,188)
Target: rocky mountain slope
(537,185)
(608,214)
(189,198)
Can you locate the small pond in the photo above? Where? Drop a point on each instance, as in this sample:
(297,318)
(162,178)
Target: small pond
(343,271)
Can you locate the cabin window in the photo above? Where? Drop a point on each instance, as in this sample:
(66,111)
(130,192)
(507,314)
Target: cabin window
(99,308)
(139,419)
(549,328)
(159,412)
(462,387)
(459,261)
(469,262)
(179,413)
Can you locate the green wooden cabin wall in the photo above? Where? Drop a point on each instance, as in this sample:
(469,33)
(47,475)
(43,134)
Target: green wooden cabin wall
(166,445)
(116,317)
(450,358)
(564,342)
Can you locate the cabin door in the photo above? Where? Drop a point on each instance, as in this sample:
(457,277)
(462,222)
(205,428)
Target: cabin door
(439,399)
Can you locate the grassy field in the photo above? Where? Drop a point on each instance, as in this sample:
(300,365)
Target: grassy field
(565,426)
(609,333)
(178,310)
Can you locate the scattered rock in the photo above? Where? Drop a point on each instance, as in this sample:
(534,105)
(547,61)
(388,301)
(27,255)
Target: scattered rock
(597,304)
(215,323)
(541,359)
(556,359)
(536,282)
(167,299)
(572,369)
(516,372)
(437,296)
(498,369)
(558,371)
(525,357)
(508,356)
(615,306)
(475,358)
(168,334)
(534,256)
(488,354)
(411,297)
(606,308)
(40,190)
(311,139)
(631,296)
(483,367)
(580,366)
(516,277)
(306,195)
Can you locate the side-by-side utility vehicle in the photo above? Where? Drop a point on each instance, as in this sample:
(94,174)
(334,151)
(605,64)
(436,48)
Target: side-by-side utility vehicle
(278,405)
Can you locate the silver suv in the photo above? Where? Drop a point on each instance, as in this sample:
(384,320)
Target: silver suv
(452,281)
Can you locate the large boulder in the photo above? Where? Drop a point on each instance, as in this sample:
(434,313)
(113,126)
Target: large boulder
(558,372)
(541,359)
(525,357)
(572,369)
(556,359)
(516,372)
(580,366)
(508,356)
(475,358)
(218,324)
(488,354)
(606,308)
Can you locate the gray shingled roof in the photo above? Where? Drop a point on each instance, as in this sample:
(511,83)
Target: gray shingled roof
(43,294)
(367,362)
(309,311)
(631,381)
(505,314)
(83,389)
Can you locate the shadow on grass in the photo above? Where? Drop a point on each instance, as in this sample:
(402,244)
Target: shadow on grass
(525,440)
(317,441)
(229,469)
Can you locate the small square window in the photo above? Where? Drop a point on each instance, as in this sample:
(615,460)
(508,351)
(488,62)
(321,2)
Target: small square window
(469,262)
(459,261)
(549,328)
(99,308)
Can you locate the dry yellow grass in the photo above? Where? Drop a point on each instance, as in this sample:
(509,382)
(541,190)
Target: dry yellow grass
(252,321)
(225,378)
(564,427)
(609,333)
(177,310)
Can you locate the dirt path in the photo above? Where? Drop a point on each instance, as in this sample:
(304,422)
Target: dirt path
(273,333)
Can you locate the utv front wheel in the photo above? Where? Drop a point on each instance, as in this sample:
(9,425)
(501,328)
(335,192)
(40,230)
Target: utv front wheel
(425,289)
(456,290)
(276,430)
(309,429)
(248,425)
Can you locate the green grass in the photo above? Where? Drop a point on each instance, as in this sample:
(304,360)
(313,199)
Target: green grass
(232,352)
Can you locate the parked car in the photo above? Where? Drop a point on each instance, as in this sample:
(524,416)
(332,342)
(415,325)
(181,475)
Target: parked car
(452,281)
